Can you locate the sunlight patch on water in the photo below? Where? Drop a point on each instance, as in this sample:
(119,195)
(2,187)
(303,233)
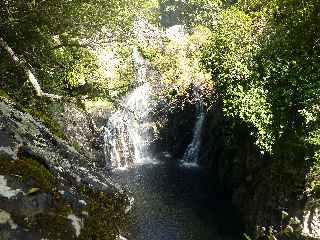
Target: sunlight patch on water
(189,164)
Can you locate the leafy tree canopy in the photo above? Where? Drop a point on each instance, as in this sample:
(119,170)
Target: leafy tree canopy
(58,39)
(264,59)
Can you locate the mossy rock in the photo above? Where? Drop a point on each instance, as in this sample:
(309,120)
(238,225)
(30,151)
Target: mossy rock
(97,225)
(104,213)
(40,109)
(39,166)
(28,168)
(3,93)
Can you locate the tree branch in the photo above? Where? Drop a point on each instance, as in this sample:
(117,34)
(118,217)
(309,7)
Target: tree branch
(32,79)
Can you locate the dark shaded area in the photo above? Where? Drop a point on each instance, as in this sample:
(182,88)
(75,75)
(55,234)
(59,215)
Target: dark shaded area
(259,185)
(177,203)
(175,136)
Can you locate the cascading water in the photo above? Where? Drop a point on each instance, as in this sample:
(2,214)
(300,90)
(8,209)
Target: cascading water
(191,155)
(170,202)
(127,132)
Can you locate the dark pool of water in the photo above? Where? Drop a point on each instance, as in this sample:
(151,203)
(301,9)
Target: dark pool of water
(176,203)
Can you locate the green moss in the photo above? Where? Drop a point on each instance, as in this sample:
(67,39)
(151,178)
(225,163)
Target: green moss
(106,212)
(40,108)
(49,122)
(149,53)
(76,146)
(98,102)
(53,223)
(3,93)
(106,215)
(28,168)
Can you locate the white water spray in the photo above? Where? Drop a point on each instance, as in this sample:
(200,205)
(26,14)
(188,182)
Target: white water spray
(127,134)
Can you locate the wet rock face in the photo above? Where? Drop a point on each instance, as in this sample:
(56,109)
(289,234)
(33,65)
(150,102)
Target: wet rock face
(84,130)
(23,207)
(48,190)
(15,197)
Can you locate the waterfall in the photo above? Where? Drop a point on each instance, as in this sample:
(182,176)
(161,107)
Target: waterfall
(191,155)
(127,131)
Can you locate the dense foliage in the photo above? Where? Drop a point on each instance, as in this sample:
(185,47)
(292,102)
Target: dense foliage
(264,59)
(190,13)
(61,42)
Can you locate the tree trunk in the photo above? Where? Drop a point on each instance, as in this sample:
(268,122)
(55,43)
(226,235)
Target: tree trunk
(22,64)
(19,63)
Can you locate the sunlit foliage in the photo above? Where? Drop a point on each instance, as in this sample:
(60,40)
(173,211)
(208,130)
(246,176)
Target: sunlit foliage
(60,39)
(190,12)
(176,58)
(264,59)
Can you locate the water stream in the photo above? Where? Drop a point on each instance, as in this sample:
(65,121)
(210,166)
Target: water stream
(192,152)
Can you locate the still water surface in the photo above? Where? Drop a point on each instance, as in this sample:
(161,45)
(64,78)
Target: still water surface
(176,203)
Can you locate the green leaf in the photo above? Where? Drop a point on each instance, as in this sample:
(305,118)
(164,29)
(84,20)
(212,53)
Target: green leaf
(247,236)
(32,191)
